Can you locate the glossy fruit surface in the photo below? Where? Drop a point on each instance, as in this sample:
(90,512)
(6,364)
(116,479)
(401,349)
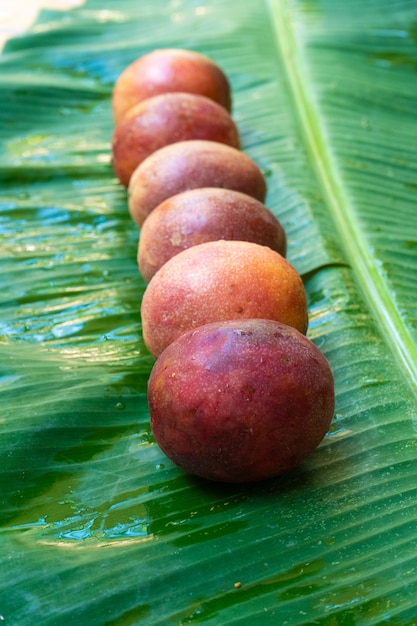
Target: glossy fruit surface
(169,70)
(218,281)
(166,119)
(240,401)
(200,215)
(189,165)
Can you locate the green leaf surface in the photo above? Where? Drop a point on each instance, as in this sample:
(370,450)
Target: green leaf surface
(97,526)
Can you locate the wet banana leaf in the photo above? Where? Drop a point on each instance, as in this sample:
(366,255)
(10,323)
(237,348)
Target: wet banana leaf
(97,526)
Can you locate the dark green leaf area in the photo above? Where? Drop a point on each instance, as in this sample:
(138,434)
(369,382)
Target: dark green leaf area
(97,526)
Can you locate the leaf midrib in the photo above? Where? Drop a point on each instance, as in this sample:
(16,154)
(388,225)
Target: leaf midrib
(369,280)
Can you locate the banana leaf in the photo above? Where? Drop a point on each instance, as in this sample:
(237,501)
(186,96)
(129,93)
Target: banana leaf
(97,525)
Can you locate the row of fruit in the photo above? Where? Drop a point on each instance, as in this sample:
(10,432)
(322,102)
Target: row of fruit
(238,392)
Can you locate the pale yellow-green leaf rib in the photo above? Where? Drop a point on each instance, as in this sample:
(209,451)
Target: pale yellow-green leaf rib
(352,239)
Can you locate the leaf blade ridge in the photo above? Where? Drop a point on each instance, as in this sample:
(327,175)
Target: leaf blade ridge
(372,286)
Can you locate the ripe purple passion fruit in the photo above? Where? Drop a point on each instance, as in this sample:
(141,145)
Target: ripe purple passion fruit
(200,215)
(240,401)
(166,119)
(191,164)
(217,281)
(168,70)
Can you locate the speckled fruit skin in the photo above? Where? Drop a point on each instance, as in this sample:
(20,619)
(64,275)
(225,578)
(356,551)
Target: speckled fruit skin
(217,281)
(166,119)
(189,165)
(240,401)
(168,70)
(202,215)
